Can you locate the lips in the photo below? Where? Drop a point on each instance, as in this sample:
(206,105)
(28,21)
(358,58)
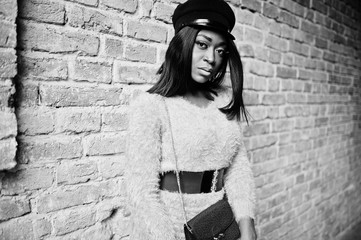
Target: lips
(205,69)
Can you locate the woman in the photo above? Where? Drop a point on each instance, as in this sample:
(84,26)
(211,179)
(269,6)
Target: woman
(188,118)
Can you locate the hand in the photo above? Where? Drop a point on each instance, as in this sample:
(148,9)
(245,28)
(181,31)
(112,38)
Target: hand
(248,231)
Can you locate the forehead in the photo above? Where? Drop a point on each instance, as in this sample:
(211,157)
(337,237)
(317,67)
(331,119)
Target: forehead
(212,36)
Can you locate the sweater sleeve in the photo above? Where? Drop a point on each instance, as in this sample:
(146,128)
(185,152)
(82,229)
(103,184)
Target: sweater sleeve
(149,218)
(239,185)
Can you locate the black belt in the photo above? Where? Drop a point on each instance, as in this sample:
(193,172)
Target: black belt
(191,182)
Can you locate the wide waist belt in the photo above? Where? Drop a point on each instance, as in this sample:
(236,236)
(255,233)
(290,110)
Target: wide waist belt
(191,182)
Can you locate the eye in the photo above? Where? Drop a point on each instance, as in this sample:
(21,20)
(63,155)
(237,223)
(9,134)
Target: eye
(221,52)
(201,45)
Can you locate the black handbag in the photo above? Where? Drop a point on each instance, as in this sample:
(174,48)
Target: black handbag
(216,222)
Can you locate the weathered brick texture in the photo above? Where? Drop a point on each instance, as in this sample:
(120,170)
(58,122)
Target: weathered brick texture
(8,70)
(77,63)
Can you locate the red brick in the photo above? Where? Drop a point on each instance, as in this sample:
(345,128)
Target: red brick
(141,53)
(13,207)
(62,198)
(262,142)
(270,10)
(8,67)
(310,28)
(257,113)
(319,6)
(133,74)
(253,5)
(286,84)
(305,3)
(7,153)
(331,57)
(113,48)
(112,166)
(7,34)
(56,40)
(289,19)
(62,96)
(27,94)
(116,120)
(287,59)
(273,112)
(94,20)
(316,53)
(74,219)
(298,48)
(273,99)
(274,57)
(8,126)
(261,54)
(271,189)
(264,154)
(246,50)
(304,37)
(33,121)
(163,12)
(296,98)
(83,70)
(43,11)
(147,31)
(43,68)
(27,180)
(262,23)
(244,16)
(72,172)
(319,76)
(251,98)
(255,129)
(37,149)
(104,144)
(261,68)
(286,150)
(147,8)
(259,83)
(283,72)
(42,227)
(293,111)
(9,10)
(129,6)
(283,125)
(77,120)
(273,85)
(253,36)
(276,43)
(20,228)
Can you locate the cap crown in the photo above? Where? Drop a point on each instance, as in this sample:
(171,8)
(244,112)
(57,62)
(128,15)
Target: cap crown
(217,13)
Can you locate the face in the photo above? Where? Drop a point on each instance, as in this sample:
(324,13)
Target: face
(209,52)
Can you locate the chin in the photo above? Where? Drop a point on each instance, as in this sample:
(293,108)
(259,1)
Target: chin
(200,79)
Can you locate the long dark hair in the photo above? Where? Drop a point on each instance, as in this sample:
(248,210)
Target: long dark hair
(175,73)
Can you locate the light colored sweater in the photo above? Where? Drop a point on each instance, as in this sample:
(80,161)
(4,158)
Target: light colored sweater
(204,140)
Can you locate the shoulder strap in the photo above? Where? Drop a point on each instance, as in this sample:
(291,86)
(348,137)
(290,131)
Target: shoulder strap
(176,165)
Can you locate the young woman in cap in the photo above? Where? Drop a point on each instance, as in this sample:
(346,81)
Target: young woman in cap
(189,122)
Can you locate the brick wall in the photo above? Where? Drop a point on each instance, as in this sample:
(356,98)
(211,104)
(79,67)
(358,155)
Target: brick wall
(80,61)
(8,127)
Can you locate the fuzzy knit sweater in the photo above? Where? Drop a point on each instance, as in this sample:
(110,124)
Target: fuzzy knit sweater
(203,140)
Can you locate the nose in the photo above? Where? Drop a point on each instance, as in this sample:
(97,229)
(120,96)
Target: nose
(209,56)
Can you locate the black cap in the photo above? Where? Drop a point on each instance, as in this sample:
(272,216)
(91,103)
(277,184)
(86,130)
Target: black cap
(209,14)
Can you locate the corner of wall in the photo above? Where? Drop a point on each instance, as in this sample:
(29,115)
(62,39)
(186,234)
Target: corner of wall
(8,71)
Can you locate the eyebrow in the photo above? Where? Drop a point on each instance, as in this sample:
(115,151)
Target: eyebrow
(210,39)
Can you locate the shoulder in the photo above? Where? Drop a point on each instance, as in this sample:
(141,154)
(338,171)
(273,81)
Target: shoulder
(145,99)
(146,104)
